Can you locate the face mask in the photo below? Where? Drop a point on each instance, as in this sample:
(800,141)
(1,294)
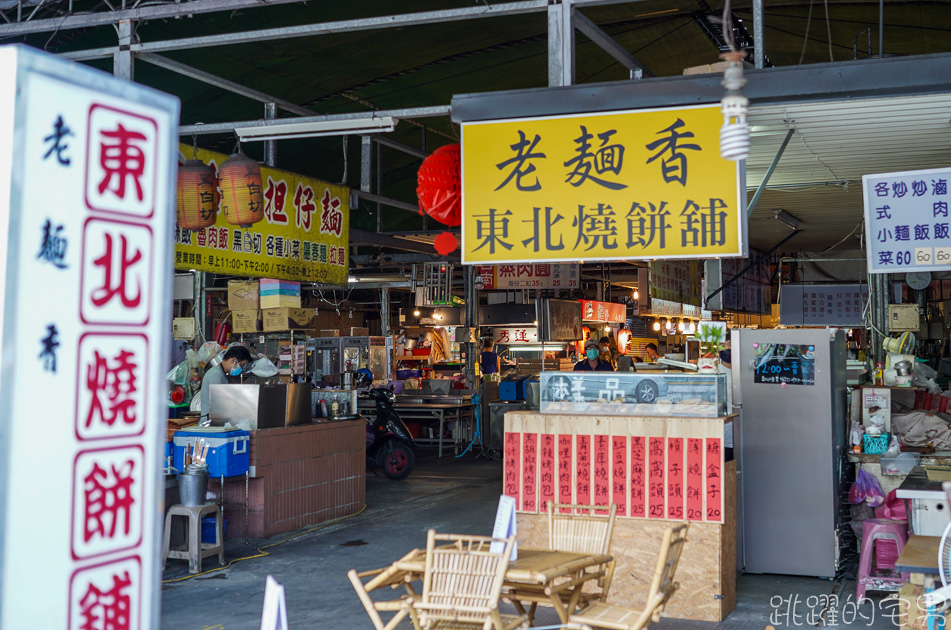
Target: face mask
(592,353)
(604,348)
(236,370)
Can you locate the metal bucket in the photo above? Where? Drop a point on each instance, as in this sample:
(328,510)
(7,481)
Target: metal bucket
(191,488)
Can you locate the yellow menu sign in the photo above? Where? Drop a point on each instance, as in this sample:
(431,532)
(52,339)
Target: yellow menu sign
(645,184)
(304,235)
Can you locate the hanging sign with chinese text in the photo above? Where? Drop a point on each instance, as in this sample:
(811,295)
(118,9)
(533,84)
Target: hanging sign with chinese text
(86,296)
(594,311)
(512,336)
(675,281)
(525,276)
(642,184)
(304,235)
(906,221)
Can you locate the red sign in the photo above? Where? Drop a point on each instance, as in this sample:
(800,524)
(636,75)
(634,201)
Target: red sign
(512,460)
(675,478)
(565,481)
(546,482)
(584,470)
(593,311)
(619,473)
(529,461)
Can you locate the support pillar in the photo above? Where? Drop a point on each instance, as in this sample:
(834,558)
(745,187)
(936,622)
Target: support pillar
(122,61)
(472,321)
(270,146)
(561,45)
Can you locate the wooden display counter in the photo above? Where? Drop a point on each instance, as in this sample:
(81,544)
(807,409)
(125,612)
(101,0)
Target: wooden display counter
(300,476)
(658,471)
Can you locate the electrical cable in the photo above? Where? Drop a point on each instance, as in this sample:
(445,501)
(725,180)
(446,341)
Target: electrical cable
(843,240)
(805,38)
(261,553)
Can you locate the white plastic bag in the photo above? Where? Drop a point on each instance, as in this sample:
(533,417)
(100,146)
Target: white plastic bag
(208,351)
(264,368)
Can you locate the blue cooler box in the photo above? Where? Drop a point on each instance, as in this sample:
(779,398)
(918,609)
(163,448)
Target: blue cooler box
(227,452)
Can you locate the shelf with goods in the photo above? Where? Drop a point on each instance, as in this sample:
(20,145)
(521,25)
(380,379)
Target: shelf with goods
(413,365)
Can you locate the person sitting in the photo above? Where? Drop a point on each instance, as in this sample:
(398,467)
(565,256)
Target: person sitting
(651,351)
(592,362)
(607,353)
(489,361)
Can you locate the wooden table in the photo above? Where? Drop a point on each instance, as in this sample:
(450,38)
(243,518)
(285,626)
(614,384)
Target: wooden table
(920,555)
(537,576)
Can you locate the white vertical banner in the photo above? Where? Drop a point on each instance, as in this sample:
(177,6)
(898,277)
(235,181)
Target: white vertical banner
(87,184)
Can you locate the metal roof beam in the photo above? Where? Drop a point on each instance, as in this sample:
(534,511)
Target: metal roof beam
(593,32)
(362,237)
(225,84)
(323,28)
(155,12)
(866,78)
(228,127)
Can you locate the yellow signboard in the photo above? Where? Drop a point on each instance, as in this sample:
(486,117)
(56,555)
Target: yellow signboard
(304,235)
(643,184)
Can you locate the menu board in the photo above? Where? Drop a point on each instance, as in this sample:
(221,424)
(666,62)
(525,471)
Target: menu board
(823,304)
(657,474)
(784,364)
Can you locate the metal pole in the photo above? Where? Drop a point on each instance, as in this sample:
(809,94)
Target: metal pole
(472,321)
(758,35)
(123,64)
(270,146)
(769,173)
(385,312)
(881,29)
(200,304)
(379,189)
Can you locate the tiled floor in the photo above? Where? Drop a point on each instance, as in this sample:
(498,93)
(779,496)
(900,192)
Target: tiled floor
(448,494)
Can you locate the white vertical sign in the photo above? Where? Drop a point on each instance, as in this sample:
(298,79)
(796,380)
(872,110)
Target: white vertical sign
(87,166)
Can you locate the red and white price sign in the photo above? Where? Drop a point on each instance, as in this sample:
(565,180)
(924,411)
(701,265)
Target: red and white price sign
(86,201)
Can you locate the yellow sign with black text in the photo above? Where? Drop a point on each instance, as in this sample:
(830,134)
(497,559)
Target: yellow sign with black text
(304,235)
(644,184)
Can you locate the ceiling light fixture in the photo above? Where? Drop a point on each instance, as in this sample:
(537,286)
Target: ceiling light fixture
(785,217)
(281,130)
(656,325)
(636,294)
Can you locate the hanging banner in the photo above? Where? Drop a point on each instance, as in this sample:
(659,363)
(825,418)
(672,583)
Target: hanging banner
(906,221)
(305,234)
(548,276)
(89,179)
(643,184)
(594,311)
(675,281)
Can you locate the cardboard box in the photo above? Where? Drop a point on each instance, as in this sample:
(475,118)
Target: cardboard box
(183,328)
(280,301)
(333,332)
(246,321)
(276,319)
(243,295)
(359,331)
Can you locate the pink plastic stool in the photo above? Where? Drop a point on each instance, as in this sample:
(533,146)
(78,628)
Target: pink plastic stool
(881,529)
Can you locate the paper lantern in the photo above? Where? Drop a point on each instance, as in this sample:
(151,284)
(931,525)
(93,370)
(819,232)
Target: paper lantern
(241,199)
(446,243)
(439,185)
(197,202)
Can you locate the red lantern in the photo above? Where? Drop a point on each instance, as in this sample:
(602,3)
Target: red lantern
(439,185)
(241,199)
(197,203)
(446,243)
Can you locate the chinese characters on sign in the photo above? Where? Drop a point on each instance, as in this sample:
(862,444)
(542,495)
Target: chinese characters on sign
(547,276)
(304,235)
(906,221)
(675,281)
(823,304)
(91,289)
(514,336)
(637,184)
(671,478)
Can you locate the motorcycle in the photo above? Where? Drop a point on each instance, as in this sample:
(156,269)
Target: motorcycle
(389,443)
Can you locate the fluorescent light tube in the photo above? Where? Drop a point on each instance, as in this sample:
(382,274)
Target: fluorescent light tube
(280,130)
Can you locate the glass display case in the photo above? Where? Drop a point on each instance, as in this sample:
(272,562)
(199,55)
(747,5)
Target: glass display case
(634,394)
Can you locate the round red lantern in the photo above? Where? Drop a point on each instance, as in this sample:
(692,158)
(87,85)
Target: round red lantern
(197,203)
(439,185)
(241,199)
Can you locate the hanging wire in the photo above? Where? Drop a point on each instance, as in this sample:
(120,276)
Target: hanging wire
(805,38)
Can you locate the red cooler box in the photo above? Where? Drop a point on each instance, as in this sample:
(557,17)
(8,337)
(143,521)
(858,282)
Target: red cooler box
(227,452)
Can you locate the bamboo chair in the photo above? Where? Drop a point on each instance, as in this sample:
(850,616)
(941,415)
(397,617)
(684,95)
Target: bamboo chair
(462,585)
(392,577)
(602,615)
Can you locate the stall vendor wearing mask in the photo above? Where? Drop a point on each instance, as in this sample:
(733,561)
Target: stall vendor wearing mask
(234,362)
(592,362)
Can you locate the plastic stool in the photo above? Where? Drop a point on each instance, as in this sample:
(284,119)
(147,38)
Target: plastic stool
(879,529)
(195,551)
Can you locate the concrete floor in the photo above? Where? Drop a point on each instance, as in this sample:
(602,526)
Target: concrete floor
(452,495)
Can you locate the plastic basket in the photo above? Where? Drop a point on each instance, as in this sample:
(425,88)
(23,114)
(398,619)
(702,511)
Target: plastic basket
(874,444)
(900,464)
(208,529)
